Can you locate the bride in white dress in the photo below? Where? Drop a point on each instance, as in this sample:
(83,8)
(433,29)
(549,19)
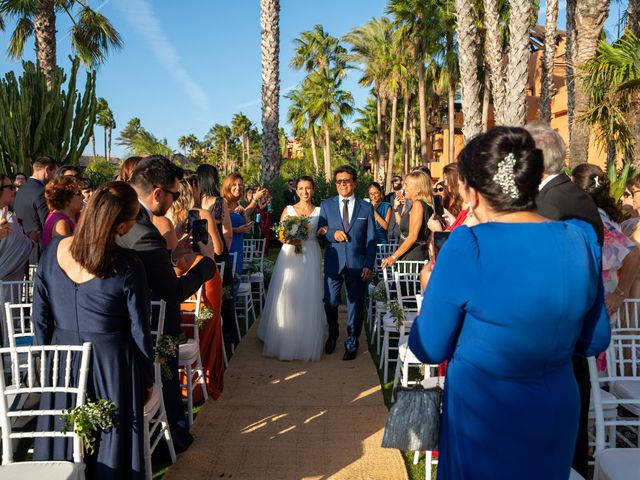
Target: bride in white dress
(293,323)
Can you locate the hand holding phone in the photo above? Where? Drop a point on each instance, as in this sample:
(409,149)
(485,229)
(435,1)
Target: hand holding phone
(3,215)
(192,217)
(199,233)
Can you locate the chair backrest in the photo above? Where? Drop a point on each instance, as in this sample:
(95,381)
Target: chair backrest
(628,316)
(623,356)
(221,269)
(613,382)
(19,291)
(407,288)
(189,316)
(19,324)
(407,266)
(383,250)
(158,309)
(253,250)
(51,370)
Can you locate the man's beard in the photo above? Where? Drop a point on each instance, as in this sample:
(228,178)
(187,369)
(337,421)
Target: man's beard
(397,187)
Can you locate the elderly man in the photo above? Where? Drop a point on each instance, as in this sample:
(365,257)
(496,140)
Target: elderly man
(560,199)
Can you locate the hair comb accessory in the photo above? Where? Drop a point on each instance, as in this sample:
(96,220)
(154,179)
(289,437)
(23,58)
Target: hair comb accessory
(506,177)
(596,181)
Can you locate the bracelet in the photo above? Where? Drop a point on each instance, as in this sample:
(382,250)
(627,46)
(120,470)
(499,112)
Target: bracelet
(394,257)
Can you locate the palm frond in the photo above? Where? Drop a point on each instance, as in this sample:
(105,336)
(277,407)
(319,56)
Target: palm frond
(23,30)
(93,36)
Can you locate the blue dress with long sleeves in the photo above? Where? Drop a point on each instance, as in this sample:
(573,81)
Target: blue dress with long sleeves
(237,220)
(113,314)
(508,305)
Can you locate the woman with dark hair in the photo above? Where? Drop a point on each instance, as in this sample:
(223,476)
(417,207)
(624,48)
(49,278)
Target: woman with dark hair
(211,200)
(293,323)
(456,212)
(620,255)
(127,168)
(232,191)
(64,199)
(381,212)
(87,289)
(508,303)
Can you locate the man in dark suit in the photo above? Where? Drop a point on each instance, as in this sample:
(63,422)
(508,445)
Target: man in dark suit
(561,199)
(156,180)
(30,206)
(290,195)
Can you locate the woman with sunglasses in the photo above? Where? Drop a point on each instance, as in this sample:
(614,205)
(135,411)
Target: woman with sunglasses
(64,199)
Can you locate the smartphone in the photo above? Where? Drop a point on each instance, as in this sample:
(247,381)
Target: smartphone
(400,195)
(192,217)
(199,233)
(439,239)
(438,207)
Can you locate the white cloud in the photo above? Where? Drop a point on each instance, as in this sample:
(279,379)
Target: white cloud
(140,16)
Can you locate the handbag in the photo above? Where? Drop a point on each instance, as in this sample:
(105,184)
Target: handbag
(413,423)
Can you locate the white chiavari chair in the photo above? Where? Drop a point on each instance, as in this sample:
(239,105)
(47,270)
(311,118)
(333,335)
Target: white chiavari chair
(254,252)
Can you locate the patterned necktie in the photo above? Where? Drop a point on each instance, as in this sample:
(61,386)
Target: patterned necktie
(345,214)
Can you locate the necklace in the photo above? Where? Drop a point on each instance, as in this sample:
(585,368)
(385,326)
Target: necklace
(309,210)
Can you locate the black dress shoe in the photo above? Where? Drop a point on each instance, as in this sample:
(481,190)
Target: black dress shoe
(330,345)
(350,354)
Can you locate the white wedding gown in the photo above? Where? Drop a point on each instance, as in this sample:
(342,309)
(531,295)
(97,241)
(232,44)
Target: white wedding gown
(293,324)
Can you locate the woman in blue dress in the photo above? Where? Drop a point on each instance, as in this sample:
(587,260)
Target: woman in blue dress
(87,289)
(232,192)
(508,303)
(381,212)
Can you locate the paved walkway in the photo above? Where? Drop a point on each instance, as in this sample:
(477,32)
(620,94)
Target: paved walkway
(292,420)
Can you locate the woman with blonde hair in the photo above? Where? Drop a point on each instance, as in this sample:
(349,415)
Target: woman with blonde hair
(413,223)
(211,334)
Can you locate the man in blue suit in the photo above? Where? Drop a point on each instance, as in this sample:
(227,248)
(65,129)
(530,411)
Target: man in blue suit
(347,224)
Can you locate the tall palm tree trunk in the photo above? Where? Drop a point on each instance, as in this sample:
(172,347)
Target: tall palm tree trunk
(468,63)
(404,151)
(392,141)
(422,103)
(452,120)
(109,132)
(314,149)
(270,33)
(105,142)
(633,17)
(413,141)
(327,153)
(44,26)
(633,116)
(382,128)
(93,145)
(494,59)
(515,112)
(548,60)
(590,16)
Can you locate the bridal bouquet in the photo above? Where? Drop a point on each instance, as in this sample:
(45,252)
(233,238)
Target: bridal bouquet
(293,229)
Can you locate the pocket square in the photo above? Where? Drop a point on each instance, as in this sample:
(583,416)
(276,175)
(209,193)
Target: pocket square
(362,218)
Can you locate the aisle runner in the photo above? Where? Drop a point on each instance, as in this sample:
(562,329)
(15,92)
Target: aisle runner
(292,420)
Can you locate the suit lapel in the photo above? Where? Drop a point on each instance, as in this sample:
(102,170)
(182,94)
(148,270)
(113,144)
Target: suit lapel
(356,207)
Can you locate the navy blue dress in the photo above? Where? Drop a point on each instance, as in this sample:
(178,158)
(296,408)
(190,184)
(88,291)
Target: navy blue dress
(381,233)
(113,314)
(508,305)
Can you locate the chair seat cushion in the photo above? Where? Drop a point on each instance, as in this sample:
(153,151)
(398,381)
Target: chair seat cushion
(151,407)
(389,321)
(188,352)
(53,470)
(405,353)
(606,397)
(618,464)
(244,288)
(628,390)
(256,277)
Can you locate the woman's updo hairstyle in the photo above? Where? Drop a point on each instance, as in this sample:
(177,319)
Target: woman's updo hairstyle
(593,180)
(488,156)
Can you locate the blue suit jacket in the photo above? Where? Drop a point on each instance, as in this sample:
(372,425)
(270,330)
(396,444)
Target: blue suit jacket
(360,251)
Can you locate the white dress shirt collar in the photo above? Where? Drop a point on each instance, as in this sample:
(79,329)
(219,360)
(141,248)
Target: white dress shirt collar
(146,209)
(544,182)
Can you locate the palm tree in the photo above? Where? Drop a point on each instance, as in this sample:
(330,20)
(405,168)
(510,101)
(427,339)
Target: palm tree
(548,61)
(104,118)
(302,121)
(240,126)
(612,80)
(316,50)
(222,138)
(371,50)
(367,130)
(468,64)
(330,105)
(270,28)
(92,34)
(139,141)
(585,20)
(633,17)
(182,144)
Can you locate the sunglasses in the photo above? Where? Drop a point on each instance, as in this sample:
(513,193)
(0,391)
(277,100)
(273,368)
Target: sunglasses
(10,187)
(175,195)
(343,182)
(438,189)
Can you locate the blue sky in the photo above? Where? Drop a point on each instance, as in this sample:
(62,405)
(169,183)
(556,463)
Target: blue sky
(188,65)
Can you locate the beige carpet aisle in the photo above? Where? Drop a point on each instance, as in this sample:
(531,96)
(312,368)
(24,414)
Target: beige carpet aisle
(292,420)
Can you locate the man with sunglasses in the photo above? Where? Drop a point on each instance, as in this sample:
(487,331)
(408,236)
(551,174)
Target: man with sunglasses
(156,180)
(347,224)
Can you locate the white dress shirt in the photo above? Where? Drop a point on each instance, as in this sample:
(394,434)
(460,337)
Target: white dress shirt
(350,206)
(544,182)
(147,209)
